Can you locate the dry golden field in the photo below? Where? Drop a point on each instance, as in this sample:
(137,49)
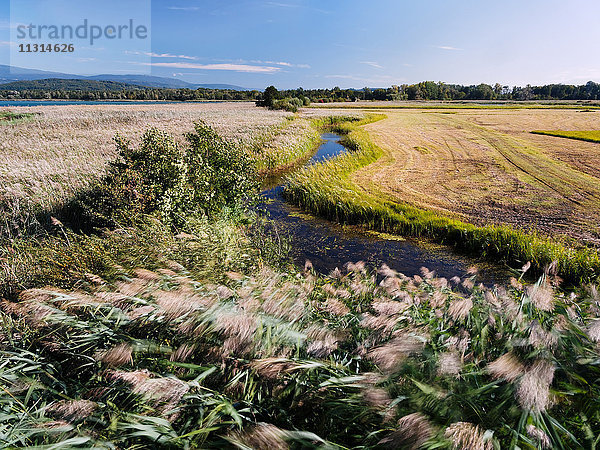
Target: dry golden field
(485,166)
(65,148)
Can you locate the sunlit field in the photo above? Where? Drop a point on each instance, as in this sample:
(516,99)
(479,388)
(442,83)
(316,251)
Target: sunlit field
(590,136)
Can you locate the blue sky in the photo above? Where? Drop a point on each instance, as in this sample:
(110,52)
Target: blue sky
(351,43)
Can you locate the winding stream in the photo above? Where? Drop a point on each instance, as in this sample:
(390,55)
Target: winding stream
(329,245)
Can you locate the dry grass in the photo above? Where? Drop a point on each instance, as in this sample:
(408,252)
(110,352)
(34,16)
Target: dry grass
(65,148)
(484,166)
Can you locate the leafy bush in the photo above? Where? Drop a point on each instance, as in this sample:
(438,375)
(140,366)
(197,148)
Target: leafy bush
(165,178)
(289,104)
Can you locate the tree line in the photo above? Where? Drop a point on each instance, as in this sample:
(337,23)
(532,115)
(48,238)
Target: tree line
(426,90)
(429,90)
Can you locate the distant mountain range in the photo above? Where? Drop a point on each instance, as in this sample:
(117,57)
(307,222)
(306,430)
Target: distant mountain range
(21,74)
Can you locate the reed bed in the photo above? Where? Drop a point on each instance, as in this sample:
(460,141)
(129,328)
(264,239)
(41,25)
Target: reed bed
(148,335)
(327,190)
(356,359)
(61,150)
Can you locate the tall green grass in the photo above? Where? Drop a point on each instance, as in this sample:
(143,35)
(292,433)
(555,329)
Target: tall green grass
(159,359)
(13,117)
(590,136)
(327,190)
(285,146)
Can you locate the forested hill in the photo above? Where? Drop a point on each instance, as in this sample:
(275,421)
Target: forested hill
(77,89)
(58,84)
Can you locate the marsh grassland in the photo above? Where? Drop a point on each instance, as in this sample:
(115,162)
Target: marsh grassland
(590,136)
(147,304)
(63,149)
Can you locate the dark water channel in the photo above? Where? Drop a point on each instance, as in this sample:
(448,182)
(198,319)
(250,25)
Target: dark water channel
(329,245)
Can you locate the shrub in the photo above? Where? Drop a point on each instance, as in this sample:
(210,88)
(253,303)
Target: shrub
(288,104)
(165,178)
(219,172)
(268,97)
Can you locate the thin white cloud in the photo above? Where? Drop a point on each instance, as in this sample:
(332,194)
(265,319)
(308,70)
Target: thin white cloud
(343,77)
(282,5)
(279,63)
(169,55)
(5,43)
(258,61)
(181,74)
(231,67)
(161,55)
(448,47)
(372,64)
(238,65)
(185,8)
(295,5)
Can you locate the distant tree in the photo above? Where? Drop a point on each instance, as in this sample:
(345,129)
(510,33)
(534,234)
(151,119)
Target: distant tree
(526,93)
(413,92)
(270,95)
(483,92)
(497,90)
(367,94)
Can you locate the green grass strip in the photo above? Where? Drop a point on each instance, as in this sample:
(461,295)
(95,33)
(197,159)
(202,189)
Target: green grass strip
(590,136)
(326,190)
(9,117)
